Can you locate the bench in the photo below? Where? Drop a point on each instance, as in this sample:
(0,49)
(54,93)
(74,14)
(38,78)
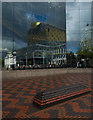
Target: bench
(60,94)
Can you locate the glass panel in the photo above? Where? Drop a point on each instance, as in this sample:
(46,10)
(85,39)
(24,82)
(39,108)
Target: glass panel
(86,36)
(84,25)
(74,37)
(78,23)
(21,5)
(75,15)
(72,6)
(73,27)
(20,16)
(7,35)
(56,15)
(92,19)
(7,11)
(85,5)
(85,15)
(7,43)
(36,30)
(20,30)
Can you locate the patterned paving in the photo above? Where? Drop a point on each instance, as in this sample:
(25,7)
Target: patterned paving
(18,97)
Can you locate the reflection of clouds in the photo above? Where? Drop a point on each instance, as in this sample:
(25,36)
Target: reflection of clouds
(18,44)
(30,17)
(3,49)
(85,15)
(72,5)
(32,12)
(74,20)
(58,5)
(73,46)
(78,15)
(8,43)
(36,11)
(24,14)
(42,12)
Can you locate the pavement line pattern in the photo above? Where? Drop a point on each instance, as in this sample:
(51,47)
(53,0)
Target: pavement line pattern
(18,95)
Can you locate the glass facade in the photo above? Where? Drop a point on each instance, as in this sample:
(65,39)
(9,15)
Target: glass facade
(78,22)
(92,19)
(37,33)
(34,32)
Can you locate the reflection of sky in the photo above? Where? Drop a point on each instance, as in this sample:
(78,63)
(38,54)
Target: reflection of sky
(35,17)
(18,17)
(78,15)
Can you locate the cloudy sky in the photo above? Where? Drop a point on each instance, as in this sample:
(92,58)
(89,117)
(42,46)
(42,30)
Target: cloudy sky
(77,19)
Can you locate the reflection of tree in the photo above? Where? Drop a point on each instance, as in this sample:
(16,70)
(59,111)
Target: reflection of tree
(86,48)
(86,52)
(0,62)
(71,59)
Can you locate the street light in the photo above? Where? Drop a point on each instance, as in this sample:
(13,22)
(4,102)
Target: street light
(14,58)
(43,57)
(26,58)
(33,59)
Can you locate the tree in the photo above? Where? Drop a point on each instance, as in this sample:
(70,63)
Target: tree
(1,63)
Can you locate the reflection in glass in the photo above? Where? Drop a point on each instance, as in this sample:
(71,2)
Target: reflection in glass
(78,23)
(37,33)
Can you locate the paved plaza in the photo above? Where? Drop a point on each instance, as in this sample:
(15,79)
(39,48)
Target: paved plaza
(18,97)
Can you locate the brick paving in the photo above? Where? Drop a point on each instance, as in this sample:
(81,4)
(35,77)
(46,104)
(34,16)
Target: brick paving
(18,97)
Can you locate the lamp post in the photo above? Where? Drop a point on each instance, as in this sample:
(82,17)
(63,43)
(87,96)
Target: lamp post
(26,58)
(33,59)
(14,59)
(43,57)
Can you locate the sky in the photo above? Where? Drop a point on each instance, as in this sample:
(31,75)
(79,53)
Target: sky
(78,20)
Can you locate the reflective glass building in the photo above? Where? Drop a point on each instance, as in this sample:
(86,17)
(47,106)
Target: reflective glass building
(79,23)
(34,33)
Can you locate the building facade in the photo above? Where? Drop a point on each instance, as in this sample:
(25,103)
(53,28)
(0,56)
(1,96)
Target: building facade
(46,45)
(35,31)
(10,60)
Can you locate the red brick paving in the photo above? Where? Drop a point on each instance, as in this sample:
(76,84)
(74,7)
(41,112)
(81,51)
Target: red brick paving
(18,97)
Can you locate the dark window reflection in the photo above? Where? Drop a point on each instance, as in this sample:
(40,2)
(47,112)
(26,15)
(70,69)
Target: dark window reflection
(35,34)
